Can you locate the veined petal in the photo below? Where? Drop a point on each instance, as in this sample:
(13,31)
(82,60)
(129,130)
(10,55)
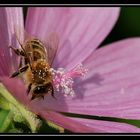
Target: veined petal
(16,87)
(10,18)
(80,30)
(108,126)
(65,122)
(111,87)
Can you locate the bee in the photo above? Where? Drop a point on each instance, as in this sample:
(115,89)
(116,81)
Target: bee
(36,59)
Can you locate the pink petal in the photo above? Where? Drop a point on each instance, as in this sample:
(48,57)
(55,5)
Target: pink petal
(65,122)
(11,18)
(17,89)
(111,87)
(80,30)
(107,126)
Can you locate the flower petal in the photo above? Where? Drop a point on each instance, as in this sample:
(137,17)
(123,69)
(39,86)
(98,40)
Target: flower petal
(111,87)
(10,18)
(108,126)
(80,30)
(16,87)
(65,122)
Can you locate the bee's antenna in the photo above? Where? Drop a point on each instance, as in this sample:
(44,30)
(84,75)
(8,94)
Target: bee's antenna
(18,39)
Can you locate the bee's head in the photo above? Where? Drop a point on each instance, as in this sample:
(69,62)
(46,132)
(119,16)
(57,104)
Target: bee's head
(41,90)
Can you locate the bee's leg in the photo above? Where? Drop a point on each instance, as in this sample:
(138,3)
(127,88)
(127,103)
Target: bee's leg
(23,69)
(52,90)
(20,63)
(33,96)
(18,51)
(29,88)
(52,93)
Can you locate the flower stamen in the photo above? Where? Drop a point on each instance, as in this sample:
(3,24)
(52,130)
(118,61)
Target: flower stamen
(63,80)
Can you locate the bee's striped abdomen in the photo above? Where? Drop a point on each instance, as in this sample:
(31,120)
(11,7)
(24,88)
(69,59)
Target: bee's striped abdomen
(38,49)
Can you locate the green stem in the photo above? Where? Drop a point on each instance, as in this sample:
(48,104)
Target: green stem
(6,122)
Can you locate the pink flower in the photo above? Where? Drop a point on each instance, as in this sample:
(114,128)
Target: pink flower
(110,88)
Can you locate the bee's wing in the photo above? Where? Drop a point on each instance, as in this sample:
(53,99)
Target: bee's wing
(29,51)
(52,46)
(27,47)
(27,36)
(17,35)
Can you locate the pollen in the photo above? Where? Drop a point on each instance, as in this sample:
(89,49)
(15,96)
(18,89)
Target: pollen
(63,80)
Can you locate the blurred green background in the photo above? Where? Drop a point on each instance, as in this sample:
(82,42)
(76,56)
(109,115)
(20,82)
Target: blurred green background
(128,25)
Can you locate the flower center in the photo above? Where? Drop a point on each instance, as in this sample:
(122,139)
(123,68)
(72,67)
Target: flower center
(63,80)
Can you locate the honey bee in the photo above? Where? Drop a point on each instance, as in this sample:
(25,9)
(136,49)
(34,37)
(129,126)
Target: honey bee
(36,59)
